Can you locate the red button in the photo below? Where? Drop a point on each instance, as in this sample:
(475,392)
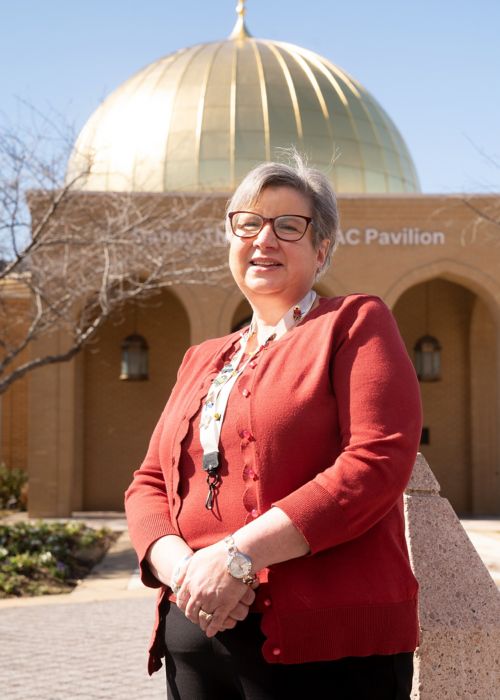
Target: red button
(268,602)
(245,392)
(253,364)
(254,512)
(246,434)
(248,473)
(276,651)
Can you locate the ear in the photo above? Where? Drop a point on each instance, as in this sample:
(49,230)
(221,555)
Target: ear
(322,252)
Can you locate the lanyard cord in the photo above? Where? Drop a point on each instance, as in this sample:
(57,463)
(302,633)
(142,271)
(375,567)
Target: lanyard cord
(215,404)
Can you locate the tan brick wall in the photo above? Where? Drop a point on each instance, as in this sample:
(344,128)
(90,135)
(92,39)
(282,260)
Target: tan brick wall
(446,403)
(485,484)
(14,424)
(461,410)
(119,416)
(14,402)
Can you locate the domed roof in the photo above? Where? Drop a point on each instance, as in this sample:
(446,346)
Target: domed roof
(197,120)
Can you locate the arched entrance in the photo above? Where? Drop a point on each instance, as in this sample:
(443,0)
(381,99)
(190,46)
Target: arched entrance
(119,416)
(460,410)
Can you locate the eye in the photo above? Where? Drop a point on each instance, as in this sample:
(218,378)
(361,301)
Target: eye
(290,224)
(248,223)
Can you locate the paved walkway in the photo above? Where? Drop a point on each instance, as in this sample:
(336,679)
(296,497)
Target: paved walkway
(91,644)
(74,651)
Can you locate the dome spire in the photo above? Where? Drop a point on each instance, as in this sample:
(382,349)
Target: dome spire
(240,30)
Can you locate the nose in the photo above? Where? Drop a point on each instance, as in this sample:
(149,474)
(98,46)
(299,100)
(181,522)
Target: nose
(266,237)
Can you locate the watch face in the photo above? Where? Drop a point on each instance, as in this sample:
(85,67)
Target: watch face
(239,565)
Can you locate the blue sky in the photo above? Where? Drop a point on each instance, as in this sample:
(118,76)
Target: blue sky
(434,66)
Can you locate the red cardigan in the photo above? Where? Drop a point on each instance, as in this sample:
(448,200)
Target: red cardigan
(330,425)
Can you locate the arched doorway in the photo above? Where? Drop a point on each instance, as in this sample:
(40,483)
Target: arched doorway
(460,410)
(119,416)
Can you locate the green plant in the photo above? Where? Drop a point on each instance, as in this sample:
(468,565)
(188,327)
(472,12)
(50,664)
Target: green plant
(12,481)
(39,558)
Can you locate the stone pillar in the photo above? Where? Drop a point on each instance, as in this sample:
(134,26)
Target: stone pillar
(459,652)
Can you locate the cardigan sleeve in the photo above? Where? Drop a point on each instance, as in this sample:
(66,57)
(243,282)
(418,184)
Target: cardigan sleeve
(146,500)
(379,414)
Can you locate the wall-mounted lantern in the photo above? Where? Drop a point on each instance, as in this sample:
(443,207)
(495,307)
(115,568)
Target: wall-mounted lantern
(134,361)
(427,352)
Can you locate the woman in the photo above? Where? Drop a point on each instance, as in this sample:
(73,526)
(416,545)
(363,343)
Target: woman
(269,505)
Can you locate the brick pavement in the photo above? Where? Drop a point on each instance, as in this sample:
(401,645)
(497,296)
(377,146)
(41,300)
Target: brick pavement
(91,644)
(78,651)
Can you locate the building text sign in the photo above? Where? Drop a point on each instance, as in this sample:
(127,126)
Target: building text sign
(406,236)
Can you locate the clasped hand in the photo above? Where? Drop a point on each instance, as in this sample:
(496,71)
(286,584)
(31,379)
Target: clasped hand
(207,586)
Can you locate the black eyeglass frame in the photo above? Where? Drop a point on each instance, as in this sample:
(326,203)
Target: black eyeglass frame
(271,220)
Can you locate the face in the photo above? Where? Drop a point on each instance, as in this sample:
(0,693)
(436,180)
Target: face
(268,269)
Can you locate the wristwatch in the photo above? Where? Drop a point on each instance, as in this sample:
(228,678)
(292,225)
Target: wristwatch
(239,565)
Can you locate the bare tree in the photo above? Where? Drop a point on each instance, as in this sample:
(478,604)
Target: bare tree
(485,224)
(69,258)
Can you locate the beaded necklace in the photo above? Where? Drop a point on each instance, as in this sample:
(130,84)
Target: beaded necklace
(215,404)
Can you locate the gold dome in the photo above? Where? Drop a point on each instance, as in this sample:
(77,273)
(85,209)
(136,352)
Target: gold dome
(197,120)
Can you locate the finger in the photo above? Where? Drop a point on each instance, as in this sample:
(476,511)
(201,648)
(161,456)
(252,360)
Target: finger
(213,629)
(218,621)
(179,573)
(189,604)
(204,619)
(183,594)
(248,597)
(229,624)
(192,611)
(239,612)
(182,601)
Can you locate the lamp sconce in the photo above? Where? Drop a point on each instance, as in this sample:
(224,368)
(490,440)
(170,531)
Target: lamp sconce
(427,352)
(134,360)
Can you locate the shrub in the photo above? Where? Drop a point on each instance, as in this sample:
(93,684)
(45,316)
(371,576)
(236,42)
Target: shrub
(12,482)
(38,558)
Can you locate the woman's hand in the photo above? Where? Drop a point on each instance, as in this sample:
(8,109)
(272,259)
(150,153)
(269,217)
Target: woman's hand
(164,556)
(238,614)
(207,586)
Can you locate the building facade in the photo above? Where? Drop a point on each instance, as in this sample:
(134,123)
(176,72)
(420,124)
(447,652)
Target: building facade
(196,122)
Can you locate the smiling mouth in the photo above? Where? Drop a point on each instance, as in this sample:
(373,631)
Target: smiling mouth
(265,263)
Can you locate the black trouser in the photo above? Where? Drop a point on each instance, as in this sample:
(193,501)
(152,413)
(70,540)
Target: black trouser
(230,666)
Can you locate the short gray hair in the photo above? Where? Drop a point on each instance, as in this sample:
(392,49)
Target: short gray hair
(308,181)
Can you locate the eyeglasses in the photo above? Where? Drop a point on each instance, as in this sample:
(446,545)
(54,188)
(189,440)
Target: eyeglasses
(287,227)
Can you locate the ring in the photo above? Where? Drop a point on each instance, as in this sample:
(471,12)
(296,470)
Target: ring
(205,616)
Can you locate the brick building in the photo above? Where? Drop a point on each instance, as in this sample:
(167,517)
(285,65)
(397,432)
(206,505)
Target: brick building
(195,122)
